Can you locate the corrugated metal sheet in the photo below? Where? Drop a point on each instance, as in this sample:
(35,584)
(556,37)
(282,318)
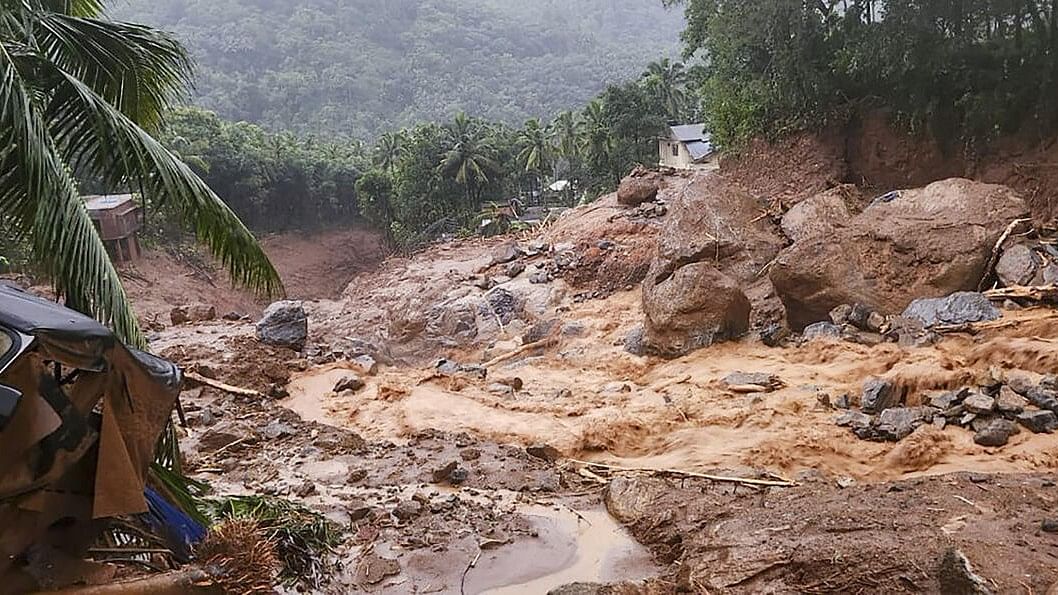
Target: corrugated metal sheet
(689,132)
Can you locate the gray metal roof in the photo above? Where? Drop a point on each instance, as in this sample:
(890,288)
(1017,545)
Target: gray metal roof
(105,202)
(700,149)
(689,132)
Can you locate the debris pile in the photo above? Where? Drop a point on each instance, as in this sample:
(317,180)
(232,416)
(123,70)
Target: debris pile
(994,411)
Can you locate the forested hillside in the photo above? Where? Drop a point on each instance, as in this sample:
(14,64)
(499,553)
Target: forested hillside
(363,67)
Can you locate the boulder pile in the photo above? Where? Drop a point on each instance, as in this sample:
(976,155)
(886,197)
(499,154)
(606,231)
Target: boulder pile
(994,411)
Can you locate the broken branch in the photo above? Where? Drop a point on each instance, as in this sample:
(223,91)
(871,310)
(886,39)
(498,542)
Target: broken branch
(523,349)
(782,483)
(991,266)
(235,390)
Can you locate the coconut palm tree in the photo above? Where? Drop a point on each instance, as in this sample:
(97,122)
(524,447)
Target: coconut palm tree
(535,151)
(666,81)
(597,141)
(387,151)
(80,97)
(469,157)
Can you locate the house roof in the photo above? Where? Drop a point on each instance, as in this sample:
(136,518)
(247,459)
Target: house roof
(105,202)
(700,149)
(689,132)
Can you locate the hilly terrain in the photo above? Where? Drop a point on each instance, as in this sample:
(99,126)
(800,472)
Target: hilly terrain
(361,67)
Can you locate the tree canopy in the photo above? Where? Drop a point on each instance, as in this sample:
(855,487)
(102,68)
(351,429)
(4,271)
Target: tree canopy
(365,67)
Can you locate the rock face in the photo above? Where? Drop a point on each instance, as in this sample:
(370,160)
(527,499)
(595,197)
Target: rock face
(692,307)
(711,249)
(638,188)
(821,213)
(927,242)
(958,308)
(284,324)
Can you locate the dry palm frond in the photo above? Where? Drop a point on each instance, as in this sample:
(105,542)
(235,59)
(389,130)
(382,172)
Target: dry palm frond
(240,558)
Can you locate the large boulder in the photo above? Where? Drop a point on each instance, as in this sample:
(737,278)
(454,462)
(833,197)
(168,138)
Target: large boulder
(284,324)
(636,191)
(958,308)
(927,242)
(821,213)
(707,269)
(691,307)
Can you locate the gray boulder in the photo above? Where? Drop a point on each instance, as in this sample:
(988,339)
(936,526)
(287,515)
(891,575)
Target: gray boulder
(958,308)
(898,423)
(284,324)
(1039,422)
(878,395)
(1018,265)
(996,433)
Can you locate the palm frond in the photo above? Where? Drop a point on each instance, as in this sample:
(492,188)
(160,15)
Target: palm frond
(96,138)
(138,70)
(39,193)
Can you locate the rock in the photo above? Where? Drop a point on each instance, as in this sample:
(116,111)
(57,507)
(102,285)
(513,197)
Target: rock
(766,382)
(854,420)
(1049,526)
(630,499)
(366,364)
(633,342)
(1010,402)
(506,252)
(634,191)
(944,232)
(501,304)
(306,489)
(540,277)
(451,473)
(691,307)
(1039,422)
(1018,265)
(178,316)
(955,576)
(875,322)
(958,308)
(774,335)
(223,436)
(878,395)
(356,476)
(514,269)
(372,569)
(898,423)
(1043,398)
(544,452)
(348,382)
(821,213)
(947,400)
(821,330)
(843,402)
(451,368)
(1020,382)
(277,429)
(201,313)
(483,283)
(541,330)
(499,388)
(979,404)
(514,382)
(407,510)
(940,422)
(284,324)
(996,433)
(234,316)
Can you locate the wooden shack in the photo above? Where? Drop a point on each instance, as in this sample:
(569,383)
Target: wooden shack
(118,218)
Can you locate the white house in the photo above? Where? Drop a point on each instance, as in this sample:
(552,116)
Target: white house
(688,147)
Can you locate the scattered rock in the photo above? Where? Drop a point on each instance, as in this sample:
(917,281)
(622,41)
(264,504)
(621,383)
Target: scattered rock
(1049,526)
(407,510)
(306,489)
(451,473)
(821,330)
(897,423)
(284,324)
(947,400)
(499,388)
(451,368)
(235,316)
(956,576)
(178,316)
(372,569)
(540,277)
(501,304)
(222,436)
(1039,422)
(514,269)
(878,395)
(1018,265)
(854,420)
(277,429)
(766,382)
(541,330)
(348,382)
(979,404)
(958,308)
(774,334)
(1009,402)
(1043,398)
(366,364)
(201,313)
(819,214)
(544,452)
(506,252)
(996,433)
(633,342)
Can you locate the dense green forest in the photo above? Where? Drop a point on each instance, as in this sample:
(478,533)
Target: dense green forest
(364,67)
(959,69)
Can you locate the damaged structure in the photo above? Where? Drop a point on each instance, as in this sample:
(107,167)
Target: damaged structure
(80,415)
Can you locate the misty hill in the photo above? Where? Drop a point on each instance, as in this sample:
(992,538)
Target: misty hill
(365,66)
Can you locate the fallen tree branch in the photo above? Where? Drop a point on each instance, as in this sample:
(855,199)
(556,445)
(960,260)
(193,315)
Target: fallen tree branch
(544,343)
(235,390)
(992,260)
(194,580)
(1039,293)
(781,483)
